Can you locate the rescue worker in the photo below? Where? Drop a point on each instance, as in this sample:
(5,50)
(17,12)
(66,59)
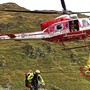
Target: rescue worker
(87,67)
(37,80)
(29,78)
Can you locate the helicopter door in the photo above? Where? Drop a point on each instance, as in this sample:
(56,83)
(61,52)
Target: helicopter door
(73,25)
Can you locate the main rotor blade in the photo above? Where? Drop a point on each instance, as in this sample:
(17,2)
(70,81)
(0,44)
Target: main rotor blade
(36,11)
(81,12)
(63,5)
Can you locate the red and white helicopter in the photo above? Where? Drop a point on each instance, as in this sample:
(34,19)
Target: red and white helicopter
(67,27)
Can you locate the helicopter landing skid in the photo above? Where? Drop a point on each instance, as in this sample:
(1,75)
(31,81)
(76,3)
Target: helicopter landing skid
(74,47)
(67,48)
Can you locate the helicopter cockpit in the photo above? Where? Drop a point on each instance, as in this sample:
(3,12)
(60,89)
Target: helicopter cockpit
(85,22)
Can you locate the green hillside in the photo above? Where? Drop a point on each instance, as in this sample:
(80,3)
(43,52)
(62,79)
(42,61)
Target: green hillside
(59,68)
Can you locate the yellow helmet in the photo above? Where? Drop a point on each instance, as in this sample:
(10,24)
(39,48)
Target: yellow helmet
(37,71)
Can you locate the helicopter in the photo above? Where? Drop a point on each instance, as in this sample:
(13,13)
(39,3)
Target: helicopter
(65,28)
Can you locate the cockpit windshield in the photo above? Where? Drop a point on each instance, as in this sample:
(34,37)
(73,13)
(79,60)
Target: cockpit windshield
(85,23)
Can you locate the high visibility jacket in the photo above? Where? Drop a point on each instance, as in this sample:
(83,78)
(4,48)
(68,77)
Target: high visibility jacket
(29,78)
(37,80)
(40,80)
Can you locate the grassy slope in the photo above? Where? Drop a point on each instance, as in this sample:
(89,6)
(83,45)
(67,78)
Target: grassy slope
(60,69)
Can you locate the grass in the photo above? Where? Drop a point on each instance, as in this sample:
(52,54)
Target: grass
(58,69)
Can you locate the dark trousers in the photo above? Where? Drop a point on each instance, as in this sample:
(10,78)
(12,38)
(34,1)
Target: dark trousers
(34,88)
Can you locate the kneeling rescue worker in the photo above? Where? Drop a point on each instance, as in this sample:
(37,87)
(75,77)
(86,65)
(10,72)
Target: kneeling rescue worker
(29,77)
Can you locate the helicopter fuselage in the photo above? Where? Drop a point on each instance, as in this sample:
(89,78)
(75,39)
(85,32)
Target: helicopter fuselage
(60,29)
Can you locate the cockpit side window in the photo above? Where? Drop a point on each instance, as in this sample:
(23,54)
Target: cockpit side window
(85,23)
(59,26)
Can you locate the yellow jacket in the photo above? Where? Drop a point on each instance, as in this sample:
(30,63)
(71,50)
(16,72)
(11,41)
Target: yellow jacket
(29,78)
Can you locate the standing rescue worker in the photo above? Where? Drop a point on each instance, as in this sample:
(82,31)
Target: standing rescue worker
(37,80)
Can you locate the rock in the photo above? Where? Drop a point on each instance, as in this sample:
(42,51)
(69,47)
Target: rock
(2,26)
(40,53)
(10,25)
(2,63)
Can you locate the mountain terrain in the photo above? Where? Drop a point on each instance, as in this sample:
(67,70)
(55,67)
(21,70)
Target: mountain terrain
(59,68)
